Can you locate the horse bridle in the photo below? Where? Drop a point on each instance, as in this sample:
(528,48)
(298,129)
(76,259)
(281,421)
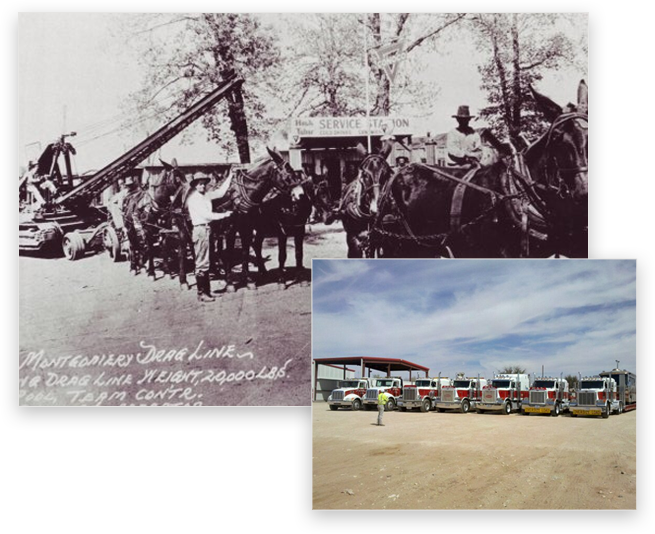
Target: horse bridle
(562,187)
(375,184)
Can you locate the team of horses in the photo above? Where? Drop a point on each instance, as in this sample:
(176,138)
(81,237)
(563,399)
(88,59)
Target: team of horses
(532,202)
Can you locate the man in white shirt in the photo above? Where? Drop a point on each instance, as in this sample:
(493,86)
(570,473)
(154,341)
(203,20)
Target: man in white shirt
(463,143)
(199,205)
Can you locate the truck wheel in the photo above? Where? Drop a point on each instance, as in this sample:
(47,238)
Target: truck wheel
(466,406)
(73,246)
(620,408)
(112,243)
(606,413)
(333,407)
(507,408)
(555,411)
(391,405)
(425,405)
(357,405)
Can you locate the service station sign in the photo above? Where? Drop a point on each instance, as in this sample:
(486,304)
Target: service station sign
(349,127)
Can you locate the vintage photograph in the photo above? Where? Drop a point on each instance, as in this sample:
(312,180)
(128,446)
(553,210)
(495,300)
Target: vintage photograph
(179,172)
(474,385)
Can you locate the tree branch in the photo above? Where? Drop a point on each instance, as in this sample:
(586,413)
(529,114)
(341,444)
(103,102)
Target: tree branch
(420,40)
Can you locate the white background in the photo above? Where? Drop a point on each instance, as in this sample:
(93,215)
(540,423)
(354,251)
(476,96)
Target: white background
(632,117)
(159,484)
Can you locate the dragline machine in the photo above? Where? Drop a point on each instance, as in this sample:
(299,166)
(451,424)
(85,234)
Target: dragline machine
(72,221)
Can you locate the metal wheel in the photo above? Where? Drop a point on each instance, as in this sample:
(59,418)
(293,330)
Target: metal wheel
(556,410)
(73,246)
(357,405)
(606,413)
(507,408)
(466,406)
(391,405)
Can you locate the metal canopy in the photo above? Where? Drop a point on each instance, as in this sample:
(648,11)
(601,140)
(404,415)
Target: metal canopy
(386,365)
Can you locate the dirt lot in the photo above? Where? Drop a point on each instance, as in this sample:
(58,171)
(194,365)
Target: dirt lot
(474,461)
(94,307)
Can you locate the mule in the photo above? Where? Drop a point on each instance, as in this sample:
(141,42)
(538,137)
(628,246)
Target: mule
(360,200)
(285,215)
(154,216)
(532,203)
(246,193)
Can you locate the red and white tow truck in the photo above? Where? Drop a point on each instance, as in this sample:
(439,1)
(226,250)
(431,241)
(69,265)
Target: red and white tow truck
(464,394)
(598,396)
(547,395)
(392,386)
(349,394)
(422,393)
(505,393)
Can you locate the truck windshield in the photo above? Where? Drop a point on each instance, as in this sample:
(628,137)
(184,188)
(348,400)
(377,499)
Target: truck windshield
(385,383)
(461,383)
(423,383)
(500,383)
(544,384)
(592,384)
(349,384)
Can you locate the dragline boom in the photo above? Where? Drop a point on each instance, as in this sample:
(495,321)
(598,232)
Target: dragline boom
(124,164)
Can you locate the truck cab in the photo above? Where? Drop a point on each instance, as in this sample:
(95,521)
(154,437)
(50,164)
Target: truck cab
(349,394)
(392,386)
(422,393)
(597,396)
(547,395)
(463,394)
(505,393)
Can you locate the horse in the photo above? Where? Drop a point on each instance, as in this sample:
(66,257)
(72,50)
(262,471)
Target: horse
(527,203)
(359,202)
(285,215)
(247,191)
(154,216)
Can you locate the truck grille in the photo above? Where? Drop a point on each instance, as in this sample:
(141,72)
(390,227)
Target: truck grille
(337,395)
(587,398)
(537,397)
(448,395)
(371,394)
(409,394)
(489,396)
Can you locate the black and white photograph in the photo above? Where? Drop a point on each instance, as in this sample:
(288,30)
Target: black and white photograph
(178,172)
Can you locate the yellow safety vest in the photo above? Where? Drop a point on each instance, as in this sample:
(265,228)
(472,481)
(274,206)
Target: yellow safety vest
(382,398)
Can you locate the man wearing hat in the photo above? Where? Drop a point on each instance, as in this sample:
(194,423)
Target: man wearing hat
(199,205)
(115,204)
(463,143)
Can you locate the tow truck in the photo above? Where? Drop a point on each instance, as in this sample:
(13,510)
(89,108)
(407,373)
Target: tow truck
(548,395)
(463,395)
(421,394)
(349,394)
(392,386)
(506,393)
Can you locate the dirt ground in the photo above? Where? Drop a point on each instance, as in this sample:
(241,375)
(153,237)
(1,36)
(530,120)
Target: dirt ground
(475,461)
(93,306)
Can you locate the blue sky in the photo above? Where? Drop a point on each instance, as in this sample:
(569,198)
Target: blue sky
(478,315)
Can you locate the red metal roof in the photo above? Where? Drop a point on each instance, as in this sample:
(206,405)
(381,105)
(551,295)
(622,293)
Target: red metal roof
(374,362)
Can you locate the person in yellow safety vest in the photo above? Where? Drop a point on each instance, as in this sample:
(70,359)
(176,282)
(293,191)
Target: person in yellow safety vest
(382,402)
